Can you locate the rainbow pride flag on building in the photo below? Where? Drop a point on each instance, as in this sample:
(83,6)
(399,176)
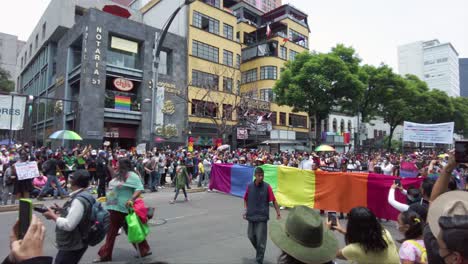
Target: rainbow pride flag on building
(332,191)
(122,102)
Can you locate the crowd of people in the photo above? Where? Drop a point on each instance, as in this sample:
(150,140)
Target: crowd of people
(433,221)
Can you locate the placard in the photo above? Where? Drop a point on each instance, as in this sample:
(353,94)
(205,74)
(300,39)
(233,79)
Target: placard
(12,113)
(141,149)
(428,133)
(26,170)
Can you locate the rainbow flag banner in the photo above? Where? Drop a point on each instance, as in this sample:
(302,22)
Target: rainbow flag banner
(332,191)
(408,170)
(122,102)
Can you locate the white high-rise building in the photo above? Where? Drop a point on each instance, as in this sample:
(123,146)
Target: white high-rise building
(434,62)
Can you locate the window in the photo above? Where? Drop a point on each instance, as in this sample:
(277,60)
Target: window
(205,51)
(205,80)
(227,111)
(30,50)
(227,84)
(227,58)
(282,119)
(268,73)
(36,41)
(165,62)
(283,53)
(43,30)
(123,53)
(297,120)
(228,31)
(238,87)
(274,118)
(202,108)
(292,54)
(266,95)
(442,60)
(215,3)
(205,23)
(298,38)
(429,62)
(249,76)
(22,62)
(238,61)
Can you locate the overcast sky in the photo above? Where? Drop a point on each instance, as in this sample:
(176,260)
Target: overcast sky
(373,27)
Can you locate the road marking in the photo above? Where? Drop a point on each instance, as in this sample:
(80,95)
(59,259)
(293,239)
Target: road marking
(184,216)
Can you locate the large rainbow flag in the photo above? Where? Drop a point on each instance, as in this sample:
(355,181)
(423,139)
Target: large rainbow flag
(332,191)
(122,102)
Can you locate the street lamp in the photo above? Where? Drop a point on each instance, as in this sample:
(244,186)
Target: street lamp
(159,39)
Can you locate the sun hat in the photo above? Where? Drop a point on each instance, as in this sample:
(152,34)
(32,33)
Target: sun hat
(448,204)
(303,236)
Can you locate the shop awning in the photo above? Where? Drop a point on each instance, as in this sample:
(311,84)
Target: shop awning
(282,141)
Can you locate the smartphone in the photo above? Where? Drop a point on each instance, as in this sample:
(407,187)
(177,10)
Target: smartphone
(41,209)
(398,182)
(332,218)
(461,151)
(25,214)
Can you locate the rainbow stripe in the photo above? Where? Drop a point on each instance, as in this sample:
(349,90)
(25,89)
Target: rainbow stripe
(333,191)
(122,102)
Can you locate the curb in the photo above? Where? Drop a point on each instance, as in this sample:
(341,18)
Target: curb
(14,207)
(196,190)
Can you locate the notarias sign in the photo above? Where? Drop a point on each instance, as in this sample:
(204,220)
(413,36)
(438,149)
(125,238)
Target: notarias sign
(12,112)
(123,85)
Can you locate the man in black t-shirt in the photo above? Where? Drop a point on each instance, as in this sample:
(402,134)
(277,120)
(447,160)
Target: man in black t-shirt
(49,168)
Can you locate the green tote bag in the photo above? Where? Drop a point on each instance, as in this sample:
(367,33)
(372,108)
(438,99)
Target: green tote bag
(137,231)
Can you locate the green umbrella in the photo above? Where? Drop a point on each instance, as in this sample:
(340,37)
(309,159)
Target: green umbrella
(65,134)
(324,148)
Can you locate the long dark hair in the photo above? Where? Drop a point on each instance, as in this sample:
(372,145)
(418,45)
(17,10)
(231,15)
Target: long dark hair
(415,223)
(363,228)
(125,166)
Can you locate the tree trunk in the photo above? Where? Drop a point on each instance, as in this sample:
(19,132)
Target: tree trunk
(318,130)
(389,146)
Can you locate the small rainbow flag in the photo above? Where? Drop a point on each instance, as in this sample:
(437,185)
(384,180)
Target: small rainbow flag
(122,102)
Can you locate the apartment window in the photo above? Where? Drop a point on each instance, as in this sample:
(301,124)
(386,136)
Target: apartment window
(205,23)
(283,53)
(215,3)
(266,95)
(282,119)
(30,50)
(228,31)
(292,54)
(202,109)
(297,120)
(227,58)
(205,80)
(36,41)
(238,61)
(249,76)
(238,87)
(274,118)
(227,111)
(442,60)
(227,84)
(44,30)
(165,63)
(268,73)
(205,51)
(298,38)
(123,53)
(22,62)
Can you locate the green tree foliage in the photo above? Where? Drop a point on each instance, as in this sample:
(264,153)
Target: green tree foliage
(460,115)
(6,85)
(317,83)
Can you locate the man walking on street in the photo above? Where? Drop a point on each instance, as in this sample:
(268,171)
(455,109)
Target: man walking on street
(256,202)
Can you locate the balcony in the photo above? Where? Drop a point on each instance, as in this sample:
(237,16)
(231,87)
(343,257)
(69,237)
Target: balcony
(268,49)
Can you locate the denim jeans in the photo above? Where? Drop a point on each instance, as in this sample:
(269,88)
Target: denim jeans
(154,180)
(207,178)
(257,233)
(7,193)
(48,186)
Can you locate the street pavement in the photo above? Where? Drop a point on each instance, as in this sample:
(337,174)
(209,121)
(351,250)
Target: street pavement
(207,229)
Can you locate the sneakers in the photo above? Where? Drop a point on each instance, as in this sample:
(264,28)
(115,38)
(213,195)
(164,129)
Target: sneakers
(159,187)
(172,202)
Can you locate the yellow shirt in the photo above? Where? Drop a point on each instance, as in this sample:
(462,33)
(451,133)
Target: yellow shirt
(201,169)
(356,254)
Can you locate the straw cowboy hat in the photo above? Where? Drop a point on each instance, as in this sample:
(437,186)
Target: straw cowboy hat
(448,204)
(304,236)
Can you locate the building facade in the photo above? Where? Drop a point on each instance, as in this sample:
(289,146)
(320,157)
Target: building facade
(434,62)
(95,77)
(10,47)
(265,5)
(463,77)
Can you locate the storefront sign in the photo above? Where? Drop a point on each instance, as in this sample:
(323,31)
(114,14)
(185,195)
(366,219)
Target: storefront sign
(12,112)
(167,131)
(123,84)
(169,88)
(256,104)
(169,108)
(97,57)
(26,170)
(124,44)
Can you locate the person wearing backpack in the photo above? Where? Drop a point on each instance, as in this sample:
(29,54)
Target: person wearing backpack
(412,250)
(73,220)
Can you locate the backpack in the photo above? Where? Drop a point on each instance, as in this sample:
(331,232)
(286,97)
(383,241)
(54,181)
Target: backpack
(421,248)
(98,222)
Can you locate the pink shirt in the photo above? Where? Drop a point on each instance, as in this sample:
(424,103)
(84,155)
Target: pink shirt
(38,182)
(409,251)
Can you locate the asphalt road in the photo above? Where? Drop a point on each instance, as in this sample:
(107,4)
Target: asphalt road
(207,229)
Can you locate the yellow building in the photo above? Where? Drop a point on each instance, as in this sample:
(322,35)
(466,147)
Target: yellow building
(235,55)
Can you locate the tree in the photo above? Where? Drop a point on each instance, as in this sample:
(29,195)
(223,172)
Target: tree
(6,85)
(460,115)
(317,83)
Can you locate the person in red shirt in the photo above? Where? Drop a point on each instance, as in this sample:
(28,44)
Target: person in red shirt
(257,198)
